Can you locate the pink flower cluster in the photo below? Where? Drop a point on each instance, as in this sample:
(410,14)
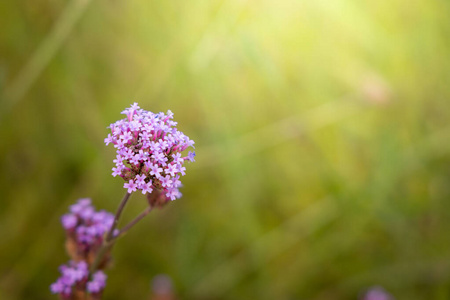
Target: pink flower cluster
(75,276)
(85,228)
(149,150)
(85,225)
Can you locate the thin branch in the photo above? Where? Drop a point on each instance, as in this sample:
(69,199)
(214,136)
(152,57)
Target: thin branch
(127,227)
(109,241)
(44,53)
(116,218)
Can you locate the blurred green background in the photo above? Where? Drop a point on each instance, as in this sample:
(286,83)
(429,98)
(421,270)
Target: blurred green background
(322,138)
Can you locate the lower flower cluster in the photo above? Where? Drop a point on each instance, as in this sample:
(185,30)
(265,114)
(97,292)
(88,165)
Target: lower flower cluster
(85,229)
(74,282)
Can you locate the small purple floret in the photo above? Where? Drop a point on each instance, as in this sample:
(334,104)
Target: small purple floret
(69,221)
(131,186)
(98,282)
(191,156)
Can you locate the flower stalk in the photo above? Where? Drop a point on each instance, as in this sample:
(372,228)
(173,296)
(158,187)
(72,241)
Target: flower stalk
(148,159)
(119,211)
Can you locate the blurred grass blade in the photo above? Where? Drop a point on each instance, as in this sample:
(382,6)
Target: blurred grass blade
(44,54)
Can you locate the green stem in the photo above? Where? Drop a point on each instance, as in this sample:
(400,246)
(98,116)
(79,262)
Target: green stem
(127,227)
(108,241)
(117,216)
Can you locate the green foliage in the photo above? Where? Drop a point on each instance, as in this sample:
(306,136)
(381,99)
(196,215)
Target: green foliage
(322,134)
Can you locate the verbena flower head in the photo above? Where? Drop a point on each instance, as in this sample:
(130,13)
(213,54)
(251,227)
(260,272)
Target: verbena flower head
(149,148)
(85,228)
(73,275)
(74,279)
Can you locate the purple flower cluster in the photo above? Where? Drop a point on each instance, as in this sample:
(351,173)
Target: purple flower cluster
(85,229)
(74,277)
(71,275)
(149,151)
(85,225)
(149,158)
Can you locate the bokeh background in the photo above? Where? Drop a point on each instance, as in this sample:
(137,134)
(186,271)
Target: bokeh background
(322,138)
